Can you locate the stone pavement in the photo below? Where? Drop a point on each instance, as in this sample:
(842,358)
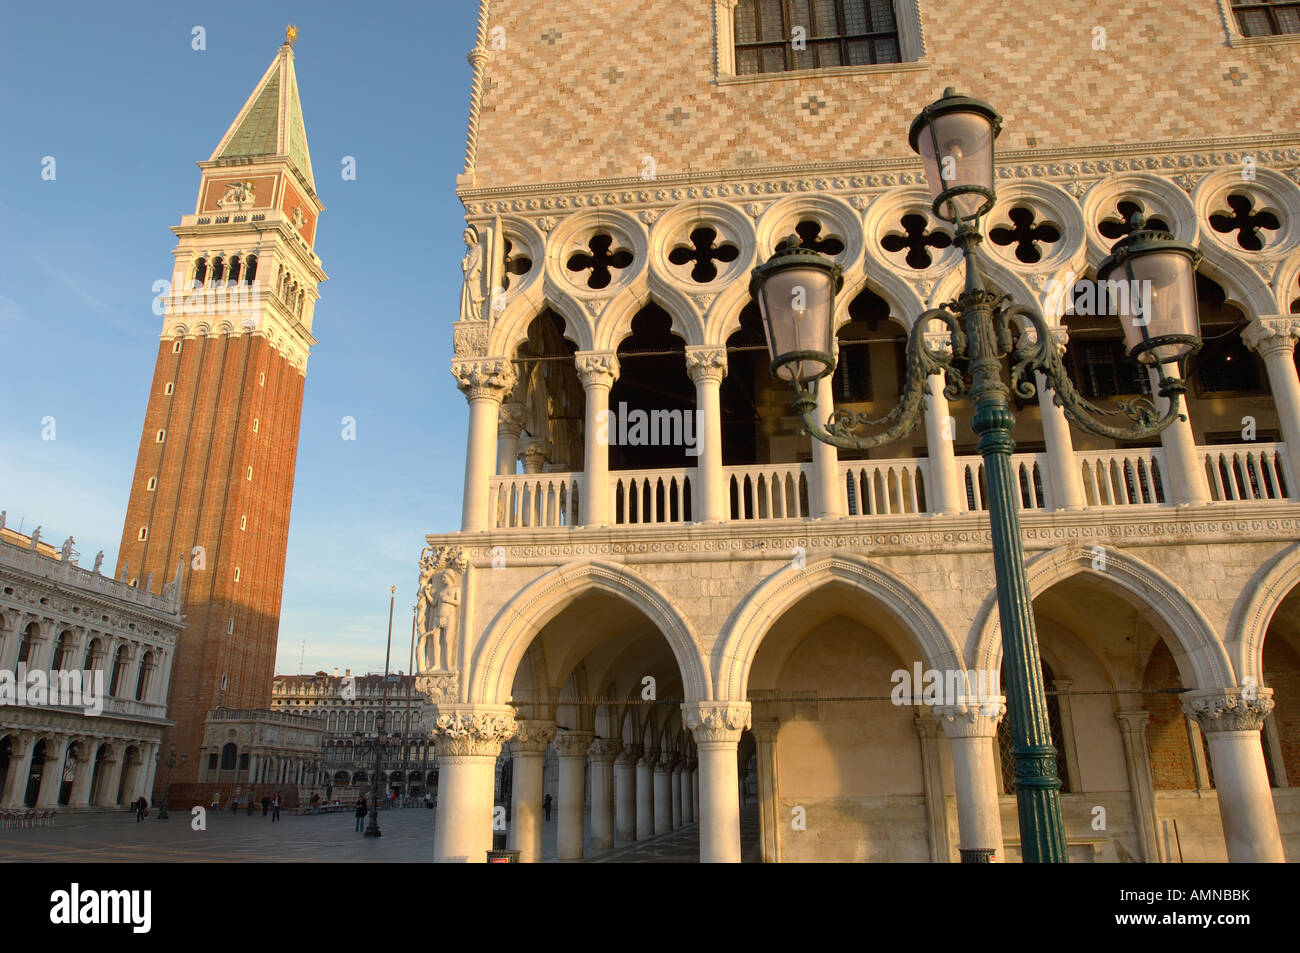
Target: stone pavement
(116,837)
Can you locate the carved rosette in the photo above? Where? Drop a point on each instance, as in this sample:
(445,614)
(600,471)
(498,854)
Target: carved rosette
(605,750)
(473,732)
(596,368)
(706,363)
(573,744)
(1240,709)
(532,736)
(489,377)
(1269,335)
(716,722)
(971,721)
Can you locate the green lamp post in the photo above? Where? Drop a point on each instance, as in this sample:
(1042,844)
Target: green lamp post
(795,291)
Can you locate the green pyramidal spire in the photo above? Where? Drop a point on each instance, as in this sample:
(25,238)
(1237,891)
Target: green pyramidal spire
(270,123)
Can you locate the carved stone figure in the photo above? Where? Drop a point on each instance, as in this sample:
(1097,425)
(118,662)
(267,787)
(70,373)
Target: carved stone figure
(148,583)
(66,552)
(237,194)
(36,537)
(99,561)
(437,611)
(126,571)
(471,294)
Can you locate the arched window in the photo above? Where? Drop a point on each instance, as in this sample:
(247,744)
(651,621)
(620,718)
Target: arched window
(119,671)
(218,269)
(250,269)
(31,635)
(60,651)
(142,680)
(1053,723)
(352,721)
(200,272)
(233,277)
(229,756)
(94,652)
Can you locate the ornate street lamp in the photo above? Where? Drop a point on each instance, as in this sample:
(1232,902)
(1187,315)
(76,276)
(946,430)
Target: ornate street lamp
(167,785)
(795,292)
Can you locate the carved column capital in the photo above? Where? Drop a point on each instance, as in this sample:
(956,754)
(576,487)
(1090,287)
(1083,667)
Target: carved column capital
(596,368)
(535,455)
(630,755)
(605,750)
(1233,709)
(1272,334)
(1133,720)
(971,721)
(716,722)
(573,744)
(491,377)
(477,731)
(510,419)
(706,363)
(532,737)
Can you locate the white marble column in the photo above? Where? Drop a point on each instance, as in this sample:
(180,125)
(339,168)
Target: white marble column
(625,793)
(706,367)
(688,804)
(717,727)
(1184,472)
(20,767)
(645,799)
(936,801)
(468,740)
(1231,720)
(603,751)
(695,791)
(528,757)
(484,382)
(971,731)
(1064,486)
(112,769)
(945,492)
(675,785)
(825,489)
(572,747)
(150,771)
(765,733)
(663,793)
(1142,792)
(80,796)
(1275,340)
(510,424)
(597,370)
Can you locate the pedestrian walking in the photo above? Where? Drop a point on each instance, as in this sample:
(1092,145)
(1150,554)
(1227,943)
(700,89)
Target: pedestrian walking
(266,804)
(141,809)
(216,801)
(361,812)
(234,803)
(546,807)
(275,807)
(250,803)
(315,803)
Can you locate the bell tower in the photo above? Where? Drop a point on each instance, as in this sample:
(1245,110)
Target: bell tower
(214,475)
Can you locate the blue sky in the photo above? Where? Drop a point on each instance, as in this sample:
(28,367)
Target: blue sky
(116,94)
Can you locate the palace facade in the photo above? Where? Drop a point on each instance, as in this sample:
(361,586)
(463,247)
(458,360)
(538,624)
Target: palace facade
(663,583)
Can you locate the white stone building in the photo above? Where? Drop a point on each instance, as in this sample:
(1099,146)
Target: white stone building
(347,707)
(56,616)
(663,615)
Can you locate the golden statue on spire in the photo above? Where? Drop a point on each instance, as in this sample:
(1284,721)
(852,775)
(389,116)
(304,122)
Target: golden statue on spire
(291,34)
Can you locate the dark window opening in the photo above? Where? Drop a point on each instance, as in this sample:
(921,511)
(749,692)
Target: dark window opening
(777,35)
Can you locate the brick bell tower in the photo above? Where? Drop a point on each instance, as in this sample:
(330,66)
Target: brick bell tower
(214,476)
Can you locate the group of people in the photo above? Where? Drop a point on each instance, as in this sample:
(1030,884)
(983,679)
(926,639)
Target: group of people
(271,803)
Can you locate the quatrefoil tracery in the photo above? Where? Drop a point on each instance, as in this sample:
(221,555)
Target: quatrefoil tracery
(705,250)
(599,258)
